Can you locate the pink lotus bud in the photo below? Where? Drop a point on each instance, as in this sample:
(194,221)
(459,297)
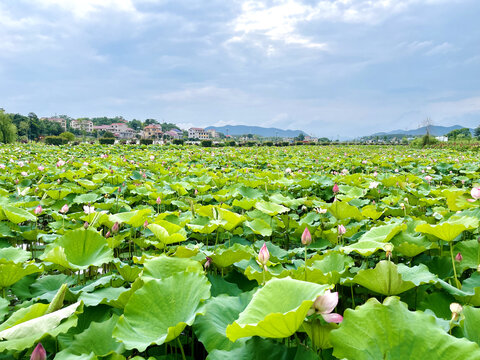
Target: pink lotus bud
(158,201)
(107,235)
(39,353)
(456,309)
(263,255)
(115,227)
(207,263)
(459,257)
(335,189)
(41,168)
(64,209)
(341,230)
(145,224)
(38,210)
(475,193)
(85,225)
(16,181)
(306,237)
(428,178)
(152,157)
(195,192)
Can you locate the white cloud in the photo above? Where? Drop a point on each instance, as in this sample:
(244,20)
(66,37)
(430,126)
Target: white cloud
(84,8)
(441,49)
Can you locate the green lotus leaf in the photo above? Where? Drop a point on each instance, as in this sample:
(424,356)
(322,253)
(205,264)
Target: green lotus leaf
(232,219)
(219,312)
(390,279)
(456,199)
(24,334)
(187,251)
(89,198)
(319,333)
(134,218)
(13,254)
(365,248)
(167,232)
(128,272)
(469,323)
(343,210)
(410,242)
(270,208)
(58,194)
(46,287)
(326,269)
(173,302)
(253,271)
(371,212)
(88,184)
(96,339)
(450,229)
(245,204)
(79,249)
(278,198)
(17,215)
(221,286)
(248,192)
(11,272)
(263,349)
(366,333)
(470,254)
(223,257)
(163,266)
(259,226)
(382,233)
(3,308)
(24,314)
(272,314)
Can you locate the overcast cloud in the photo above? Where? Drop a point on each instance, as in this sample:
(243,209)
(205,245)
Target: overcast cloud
(329,67)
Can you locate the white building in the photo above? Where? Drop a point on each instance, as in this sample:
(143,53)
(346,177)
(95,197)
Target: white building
(120,130)
(82,124)
(213,133)
(442,138)
(198,133)
(61,121)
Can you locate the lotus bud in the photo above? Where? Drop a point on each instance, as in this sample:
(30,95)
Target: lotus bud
(39,353)
(108,234)
(64,209)
(263,255)
(341,230)
(38,210)
(388,249)
(335,189)
(306,237)
(115,228)
(145,224)
(456,309)
(85,225)
(159,200)
(207,263)
(475,192)
(459,257)
(195,192)
(16,181)
(402,205)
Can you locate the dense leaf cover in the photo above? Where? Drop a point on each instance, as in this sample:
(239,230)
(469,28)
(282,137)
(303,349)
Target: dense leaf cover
(165,252)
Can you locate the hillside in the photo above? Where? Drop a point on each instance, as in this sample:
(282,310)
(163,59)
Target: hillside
(435,130)
(255,130)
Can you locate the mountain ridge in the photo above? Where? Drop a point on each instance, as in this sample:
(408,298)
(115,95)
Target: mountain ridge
(256,130)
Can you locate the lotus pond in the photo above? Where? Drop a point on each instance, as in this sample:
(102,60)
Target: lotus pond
(308,252)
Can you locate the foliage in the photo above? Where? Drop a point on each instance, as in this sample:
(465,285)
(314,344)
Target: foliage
(67,136)
(146,141)
(8,131)
(206,143)
(106,140)
(55,140)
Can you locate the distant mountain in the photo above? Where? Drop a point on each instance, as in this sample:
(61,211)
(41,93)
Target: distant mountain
(434,130)
(256,130)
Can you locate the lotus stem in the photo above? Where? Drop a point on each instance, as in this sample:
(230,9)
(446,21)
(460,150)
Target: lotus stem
(181,348)
(457,283)
(305,263)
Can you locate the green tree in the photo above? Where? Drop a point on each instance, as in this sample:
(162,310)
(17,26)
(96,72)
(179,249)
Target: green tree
(8,131)
(463,133)
(150,122)
(477,132)
(136,125)
(68,136)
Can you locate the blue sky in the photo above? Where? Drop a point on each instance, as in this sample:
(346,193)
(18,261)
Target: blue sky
(328,67)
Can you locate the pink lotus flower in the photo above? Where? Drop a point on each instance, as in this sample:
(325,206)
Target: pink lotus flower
(41,168)
(108,234)
(115,227)
(60,163)
(145,224)
(459,257)
(335,189)
(341,230)
(263,257)
(207,263)
(88,209)
(64,209)
(475,192)
(39,353)
(152,157)
(24,173)
(2,166)
(38,210)
(428,178)
(306,237)
(158,201)
(324,305)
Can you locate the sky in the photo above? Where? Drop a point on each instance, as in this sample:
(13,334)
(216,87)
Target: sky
(334,68)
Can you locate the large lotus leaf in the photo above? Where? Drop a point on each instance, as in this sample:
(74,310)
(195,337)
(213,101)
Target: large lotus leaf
(470,254)
(390,279)
(326,269)
(390,331)
(97,340)
(134,218)
(254,272)
(205,225)
(27,333)
(410,242)
(128,272)
(270,208)
(17,215)
(168,233)
(173,303)
(382,233)
(263,349)
(13,254)
(223,257)
(219,312)
(232,219)
(278,198)
(371,212)
(58,193)
(259,226)
(108,296)
(46,287)
(79,249)
(11,272)
(457,199)
(89,198)
(88,184)
(272,314)
(450,229)
(163,266)
(342,210)
(365,248)
(245,204)
(469,324)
